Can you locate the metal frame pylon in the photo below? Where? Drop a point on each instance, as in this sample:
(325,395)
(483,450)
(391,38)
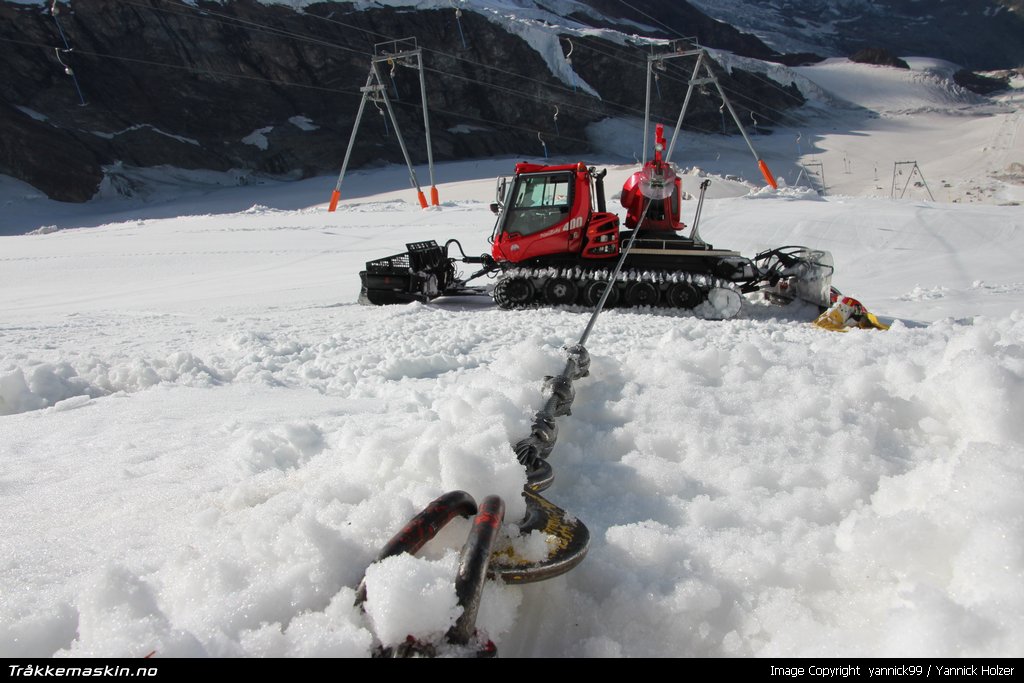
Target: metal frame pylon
(403,52)
(679,49)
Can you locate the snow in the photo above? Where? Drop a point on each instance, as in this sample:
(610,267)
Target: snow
(179,138)
(399,581)
(548,44)
(258,138)
(927,86)
(465,129)
(303,123)
(32,113)
(204,441)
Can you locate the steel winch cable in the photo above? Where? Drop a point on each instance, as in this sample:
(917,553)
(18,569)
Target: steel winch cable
(533,450)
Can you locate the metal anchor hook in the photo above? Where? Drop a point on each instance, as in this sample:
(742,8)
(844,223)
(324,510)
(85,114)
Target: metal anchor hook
(421,528)
(393,63)
(568,60)
(54,11)
(543,144)
(469,582)
(67,69)
(458,22)
(376,100)
(555,118)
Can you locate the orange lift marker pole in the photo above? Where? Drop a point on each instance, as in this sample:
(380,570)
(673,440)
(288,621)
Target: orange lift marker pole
(766,172)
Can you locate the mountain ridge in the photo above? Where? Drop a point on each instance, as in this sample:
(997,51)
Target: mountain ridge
(219,85)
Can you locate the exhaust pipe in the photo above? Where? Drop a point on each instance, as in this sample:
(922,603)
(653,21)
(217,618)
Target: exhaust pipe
(602,206)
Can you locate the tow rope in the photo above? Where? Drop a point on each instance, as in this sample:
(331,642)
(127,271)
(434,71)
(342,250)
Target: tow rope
(477,560)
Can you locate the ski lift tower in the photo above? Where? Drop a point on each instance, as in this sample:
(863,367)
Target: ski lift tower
(914,172)
(393,53)
(689,47)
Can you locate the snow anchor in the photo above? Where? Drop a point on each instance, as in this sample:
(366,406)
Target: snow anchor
(533,450)
(422,528)
(469,582)
(482,559)
(476,556)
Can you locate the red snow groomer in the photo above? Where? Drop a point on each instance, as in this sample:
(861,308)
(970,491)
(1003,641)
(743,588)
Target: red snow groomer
(556,243)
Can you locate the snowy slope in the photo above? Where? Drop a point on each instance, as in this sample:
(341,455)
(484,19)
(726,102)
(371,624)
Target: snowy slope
(927,86)
(969,153)
(861,119)
(209,442)
(204,440)
(978,33)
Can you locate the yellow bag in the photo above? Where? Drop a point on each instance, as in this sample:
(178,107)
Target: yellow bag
(847,313)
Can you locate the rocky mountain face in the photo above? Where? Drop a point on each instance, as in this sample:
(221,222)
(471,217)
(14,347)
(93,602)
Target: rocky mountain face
(266,88)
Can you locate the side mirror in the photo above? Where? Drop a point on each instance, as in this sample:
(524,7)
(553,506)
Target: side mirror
(495,208)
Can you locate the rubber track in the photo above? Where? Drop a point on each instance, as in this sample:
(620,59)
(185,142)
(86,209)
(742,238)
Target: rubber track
(582,277)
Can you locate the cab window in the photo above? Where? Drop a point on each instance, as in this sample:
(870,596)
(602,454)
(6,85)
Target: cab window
(539,202)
